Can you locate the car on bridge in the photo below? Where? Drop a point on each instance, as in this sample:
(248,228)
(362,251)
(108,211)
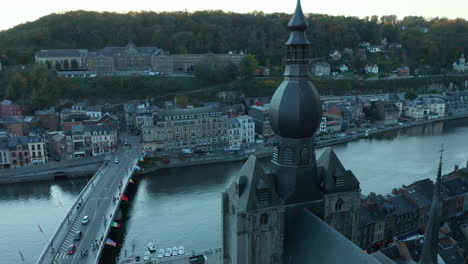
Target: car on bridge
(116,160)
(71,249)
(77,236)
(85,220)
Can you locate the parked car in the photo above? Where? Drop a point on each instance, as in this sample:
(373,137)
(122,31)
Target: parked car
(85,220)
(71,249)
(116,160)
(77,236)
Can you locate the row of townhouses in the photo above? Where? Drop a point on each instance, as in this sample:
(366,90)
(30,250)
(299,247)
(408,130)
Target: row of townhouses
(204,128)
(22,151)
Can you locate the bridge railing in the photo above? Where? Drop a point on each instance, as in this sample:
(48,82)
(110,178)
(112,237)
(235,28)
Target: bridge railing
(64,221)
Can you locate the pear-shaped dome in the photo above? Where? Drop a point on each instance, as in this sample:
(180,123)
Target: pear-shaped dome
(298,21)
(295,109)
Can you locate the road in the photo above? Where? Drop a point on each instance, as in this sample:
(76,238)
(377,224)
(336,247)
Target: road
(97,203)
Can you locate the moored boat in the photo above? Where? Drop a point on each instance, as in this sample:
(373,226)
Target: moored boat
(181,250)
(151,247)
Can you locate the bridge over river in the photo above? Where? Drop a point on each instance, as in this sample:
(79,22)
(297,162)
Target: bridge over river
(99,200)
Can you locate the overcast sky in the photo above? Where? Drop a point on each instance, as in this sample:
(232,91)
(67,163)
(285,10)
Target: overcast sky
(14,12)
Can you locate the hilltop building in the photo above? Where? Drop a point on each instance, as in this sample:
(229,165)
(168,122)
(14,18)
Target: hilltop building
(127,60)
(304,210)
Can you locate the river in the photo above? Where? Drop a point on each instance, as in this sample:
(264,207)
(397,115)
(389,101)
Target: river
(182,206)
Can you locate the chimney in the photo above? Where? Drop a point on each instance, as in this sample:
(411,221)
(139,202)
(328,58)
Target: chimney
(456,167)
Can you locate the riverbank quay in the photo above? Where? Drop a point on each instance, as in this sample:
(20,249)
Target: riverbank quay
(83,167)
(209,256)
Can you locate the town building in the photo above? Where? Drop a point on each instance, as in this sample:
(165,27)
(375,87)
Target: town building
(19,153)
(128,60)
(456,102)
(391,114)
(48,119)
(241,132)
(415,109)
(335,54)
(57,145)
(204,128)
(261,117)
(9,108)
(90,140)
(403,71)
(374,48)
(292,213)
(37,150)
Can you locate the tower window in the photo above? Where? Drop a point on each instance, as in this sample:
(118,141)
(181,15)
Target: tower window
(339,205)
(275,153)
(288,156)
(264,219)
(305,156)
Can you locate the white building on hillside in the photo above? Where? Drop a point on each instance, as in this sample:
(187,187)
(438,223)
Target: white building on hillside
(461,66)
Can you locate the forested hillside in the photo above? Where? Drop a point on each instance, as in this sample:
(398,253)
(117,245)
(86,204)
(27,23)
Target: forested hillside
(215,31)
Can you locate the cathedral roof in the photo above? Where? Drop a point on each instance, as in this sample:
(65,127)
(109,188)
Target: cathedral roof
(310,240)
(335,177)
(253,189)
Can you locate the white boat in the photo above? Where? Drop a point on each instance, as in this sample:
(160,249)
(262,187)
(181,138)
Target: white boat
(175,251)
(181,250)
(147,255)
(151,247)
(168,252)
(161,253)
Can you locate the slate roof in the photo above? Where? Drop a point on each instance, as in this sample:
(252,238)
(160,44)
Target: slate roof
(426,187)
(400,204)
(310,240)
(419,198)
(335,177)
(76,117)
(60,53)
(251,181)
(455,187)
(450,255)
(14,141)
(371,214)
(190,111)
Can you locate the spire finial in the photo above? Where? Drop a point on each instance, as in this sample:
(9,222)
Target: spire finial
(298,21)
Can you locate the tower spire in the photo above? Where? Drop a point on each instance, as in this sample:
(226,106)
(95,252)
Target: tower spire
(431,237)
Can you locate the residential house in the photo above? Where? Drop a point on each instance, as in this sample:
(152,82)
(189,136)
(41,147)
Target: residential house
(371,68)
(247,130)
(372,223)
(391,114)
(261,117)
(37,150)
(90,140)
(335,55)
(234,136)
(343,68)
(48,119)
(374,48)
(4,153)
(333,123)
(57,145)
(364,44)
(436,105)
(403,71)
(9,108)
(130,118)
(321,68)
(415,109)
(73,120)
(19,153)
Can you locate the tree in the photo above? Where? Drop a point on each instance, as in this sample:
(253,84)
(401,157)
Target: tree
(74,65)
(182,101)
(248,65)
(66,65)
(410,95)
(57,66)
(49,65)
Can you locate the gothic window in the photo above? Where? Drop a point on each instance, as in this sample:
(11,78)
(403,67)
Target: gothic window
(305,156)
(339,205)
(264,219)
(288,156)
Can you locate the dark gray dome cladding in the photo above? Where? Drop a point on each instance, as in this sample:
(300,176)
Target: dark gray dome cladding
(295,109)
